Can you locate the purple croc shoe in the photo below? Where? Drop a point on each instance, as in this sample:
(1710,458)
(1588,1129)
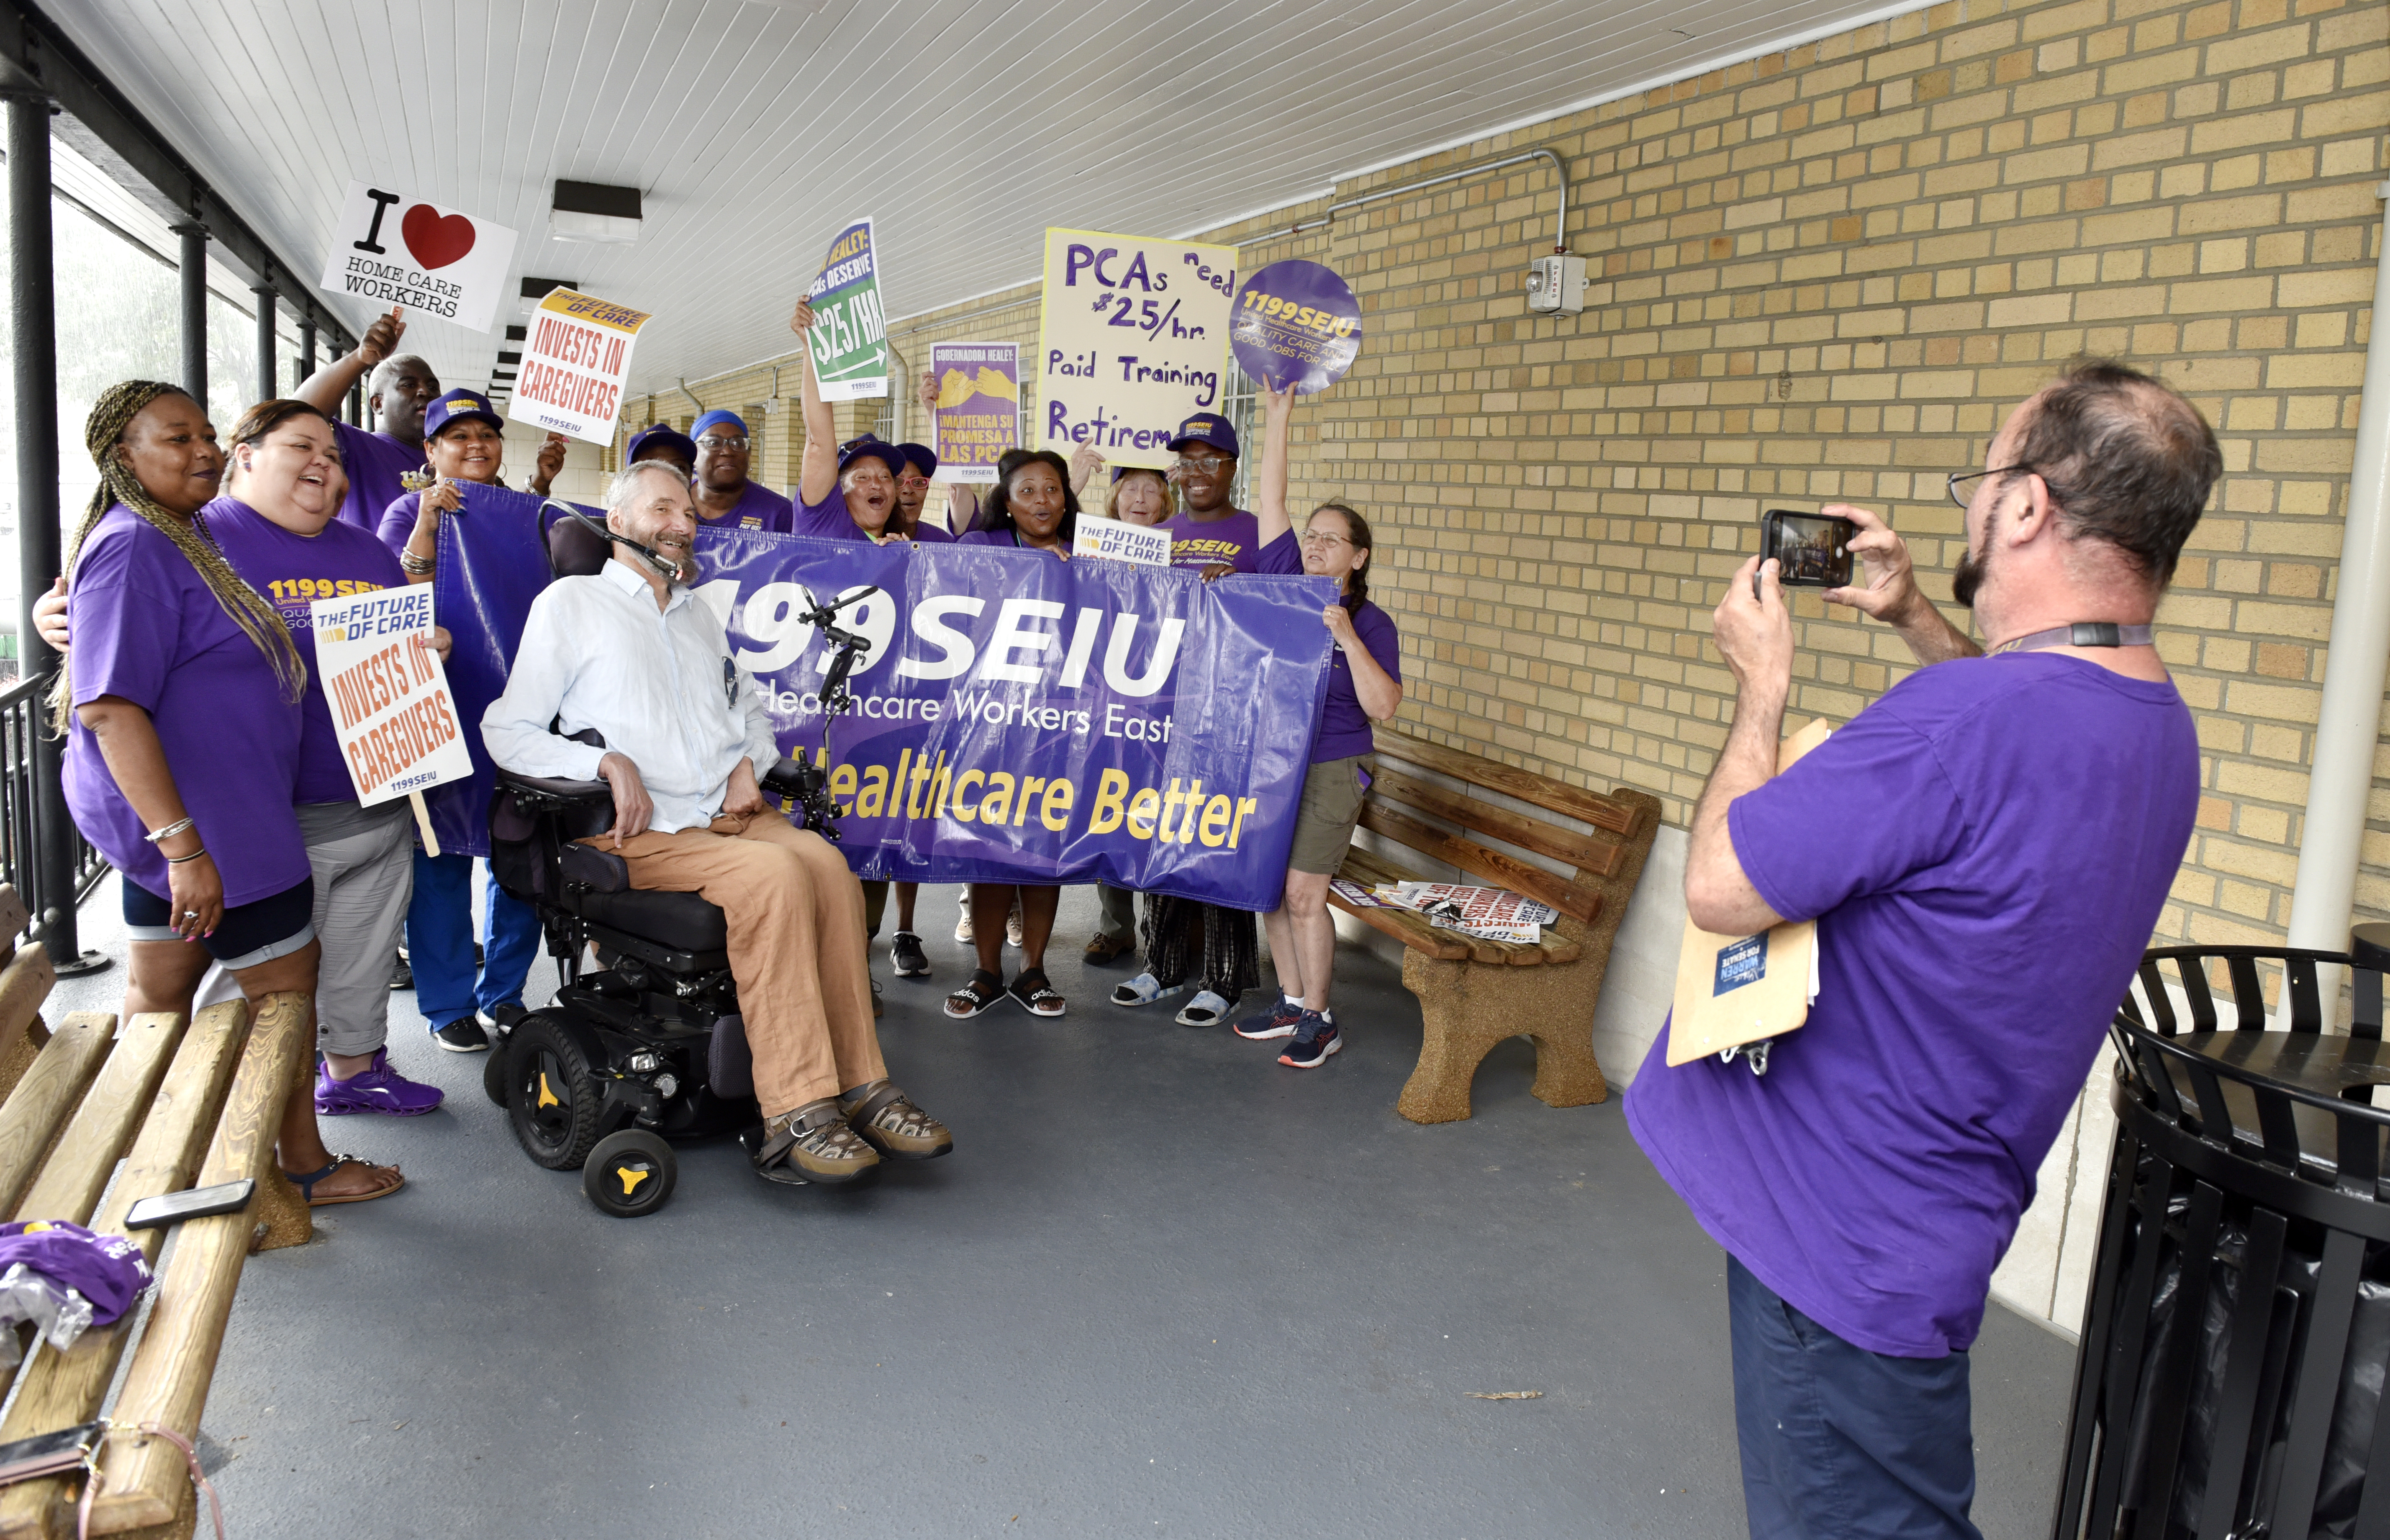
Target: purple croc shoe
(375,1088)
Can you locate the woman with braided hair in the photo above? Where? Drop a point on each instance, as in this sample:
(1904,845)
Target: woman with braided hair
(181,702)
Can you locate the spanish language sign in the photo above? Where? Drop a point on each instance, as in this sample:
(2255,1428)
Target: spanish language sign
(1114,540)
(1132,340)
(1027,720)
(1297,324)
(849,336)
(979,406)
(390,249)
(574,363)
(397,723)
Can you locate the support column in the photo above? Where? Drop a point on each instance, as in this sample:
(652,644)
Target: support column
(267,386)
(307,352)
(195,310)
(48,886)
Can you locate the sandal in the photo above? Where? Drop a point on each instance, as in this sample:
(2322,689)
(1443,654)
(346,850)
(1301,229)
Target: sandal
(1207,1009)
(305,1182)
(1032,989)
(984,989)
(1144,990)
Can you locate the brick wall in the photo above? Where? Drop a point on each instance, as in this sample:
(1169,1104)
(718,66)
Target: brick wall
(1827,275)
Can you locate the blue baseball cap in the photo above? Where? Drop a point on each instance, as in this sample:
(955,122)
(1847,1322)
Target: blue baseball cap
(460,407)
(924,458)
(716,418)
(890,455)
(1207,428)
(660,435)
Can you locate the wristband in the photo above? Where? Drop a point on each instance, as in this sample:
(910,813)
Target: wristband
(177,827)
(418,565)
(178,860)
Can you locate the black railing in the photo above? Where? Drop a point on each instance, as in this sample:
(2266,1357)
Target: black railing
(23,713)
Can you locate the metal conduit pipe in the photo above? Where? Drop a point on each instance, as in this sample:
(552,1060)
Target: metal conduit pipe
(1559,170)
(2341,779)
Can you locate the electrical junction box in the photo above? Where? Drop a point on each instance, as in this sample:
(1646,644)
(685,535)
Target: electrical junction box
(1556,284)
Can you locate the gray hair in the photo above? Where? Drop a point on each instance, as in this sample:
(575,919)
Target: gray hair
(618,491)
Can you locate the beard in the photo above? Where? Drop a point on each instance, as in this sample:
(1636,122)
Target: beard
(1967,579)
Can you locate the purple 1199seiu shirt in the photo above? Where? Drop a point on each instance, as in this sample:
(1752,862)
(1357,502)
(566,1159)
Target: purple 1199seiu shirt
(1986,851)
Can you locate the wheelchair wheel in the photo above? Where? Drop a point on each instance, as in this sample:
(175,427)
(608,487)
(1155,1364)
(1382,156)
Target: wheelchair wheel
(552,1099)
(630,1174)
(494,1071)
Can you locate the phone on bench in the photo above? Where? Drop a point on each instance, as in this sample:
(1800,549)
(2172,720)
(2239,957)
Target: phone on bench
(172,1208)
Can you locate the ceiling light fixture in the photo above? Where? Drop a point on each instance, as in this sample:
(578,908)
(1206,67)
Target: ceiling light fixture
(593,211)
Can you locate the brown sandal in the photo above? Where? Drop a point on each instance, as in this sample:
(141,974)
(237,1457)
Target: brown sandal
(306,1183)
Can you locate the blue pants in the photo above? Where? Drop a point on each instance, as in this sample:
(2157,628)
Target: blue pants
(1841,1443)
(440,942)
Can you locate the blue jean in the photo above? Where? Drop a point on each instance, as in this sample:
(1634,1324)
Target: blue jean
(440,942)
(1842,1443)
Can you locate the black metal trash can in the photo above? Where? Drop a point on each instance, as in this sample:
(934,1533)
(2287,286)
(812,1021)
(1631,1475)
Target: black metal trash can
(2231,1374)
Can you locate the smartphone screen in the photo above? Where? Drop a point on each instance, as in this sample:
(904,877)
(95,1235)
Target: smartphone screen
(1811,550)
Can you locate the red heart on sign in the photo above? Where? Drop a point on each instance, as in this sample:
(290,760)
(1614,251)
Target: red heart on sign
(435,241)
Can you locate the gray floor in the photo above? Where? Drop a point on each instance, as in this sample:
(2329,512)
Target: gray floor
(1162,1287)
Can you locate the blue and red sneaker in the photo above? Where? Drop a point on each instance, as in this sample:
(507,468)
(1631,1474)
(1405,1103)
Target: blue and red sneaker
(1315,1038)
(375,1088)
(1279,1021)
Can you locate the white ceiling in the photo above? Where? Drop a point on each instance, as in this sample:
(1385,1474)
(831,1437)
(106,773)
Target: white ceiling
(757,129)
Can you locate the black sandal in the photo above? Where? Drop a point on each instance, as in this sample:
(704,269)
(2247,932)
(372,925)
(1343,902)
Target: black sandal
(983,990)
(1039,996)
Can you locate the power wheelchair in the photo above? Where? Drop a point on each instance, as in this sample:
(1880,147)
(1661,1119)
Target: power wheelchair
(649,1048)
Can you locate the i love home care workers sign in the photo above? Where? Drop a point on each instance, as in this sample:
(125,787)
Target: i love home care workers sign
(1132,340)
(392,247)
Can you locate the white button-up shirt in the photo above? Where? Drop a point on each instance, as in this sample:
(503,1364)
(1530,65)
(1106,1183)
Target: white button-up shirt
(660,686)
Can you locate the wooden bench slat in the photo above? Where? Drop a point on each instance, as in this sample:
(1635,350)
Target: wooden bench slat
(1412,929)
(143,1477)
(24,984)
(30,1118)
(1542,791)
(1408,929)
(14,914)
(60,1389)
(1582,850)
(1574,899)
(78,1169)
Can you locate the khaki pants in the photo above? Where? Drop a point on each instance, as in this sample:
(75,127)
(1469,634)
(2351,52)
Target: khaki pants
(795,917)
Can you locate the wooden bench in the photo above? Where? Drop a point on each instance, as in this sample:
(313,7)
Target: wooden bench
(180,1105)
(1473,993)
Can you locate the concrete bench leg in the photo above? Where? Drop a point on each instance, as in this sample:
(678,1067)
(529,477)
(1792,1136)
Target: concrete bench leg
(1466,1008)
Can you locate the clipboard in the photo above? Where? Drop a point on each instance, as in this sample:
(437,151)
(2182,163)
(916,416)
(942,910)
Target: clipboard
(1733,992)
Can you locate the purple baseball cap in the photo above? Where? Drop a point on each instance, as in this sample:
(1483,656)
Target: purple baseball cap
(890,455)
(107,1270)
(1207,427)
(660,435)
(460,407)
(924,458)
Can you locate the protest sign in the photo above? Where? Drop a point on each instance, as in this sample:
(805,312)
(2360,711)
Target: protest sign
(978,414)
(849,333)
(574,363)
(1132,340)
(391,709)
(1112,540)
(1296,324)
(390,249)
(1026,720)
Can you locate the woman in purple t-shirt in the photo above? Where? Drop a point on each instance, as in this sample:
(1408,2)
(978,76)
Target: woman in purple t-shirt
(1032,510)
(1365,685)
(182,707)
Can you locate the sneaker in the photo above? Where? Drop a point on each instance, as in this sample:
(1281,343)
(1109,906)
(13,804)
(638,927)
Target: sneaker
(376,1089)
(906,956)
(401,974)
(501,1020)
(1012,926)
(1315,1039)
(963,925)
(1279,1021)
(462,1036)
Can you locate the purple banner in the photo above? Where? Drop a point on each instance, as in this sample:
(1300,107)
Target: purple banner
(1296,323)
(979,407)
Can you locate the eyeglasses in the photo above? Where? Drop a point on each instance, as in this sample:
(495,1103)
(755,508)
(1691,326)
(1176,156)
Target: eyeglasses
(1206,464)
(1962,498)
(709,442)
(1321,538)
(915,481)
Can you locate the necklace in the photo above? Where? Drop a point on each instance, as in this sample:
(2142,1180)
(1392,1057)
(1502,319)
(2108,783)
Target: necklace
(2081,634)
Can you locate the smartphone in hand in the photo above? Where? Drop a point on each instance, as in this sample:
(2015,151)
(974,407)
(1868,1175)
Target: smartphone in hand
(1811,550)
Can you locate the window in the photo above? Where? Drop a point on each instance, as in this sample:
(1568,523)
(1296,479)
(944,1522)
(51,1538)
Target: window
(1239,405)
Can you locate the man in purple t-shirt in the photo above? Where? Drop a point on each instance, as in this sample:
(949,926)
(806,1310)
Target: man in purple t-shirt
(1212,533)
(1985,850)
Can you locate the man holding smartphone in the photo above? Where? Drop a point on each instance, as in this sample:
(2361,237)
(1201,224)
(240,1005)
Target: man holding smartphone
(1986,850)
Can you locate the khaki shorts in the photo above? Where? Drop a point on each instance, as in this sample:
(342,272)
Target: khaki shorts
(1332,805)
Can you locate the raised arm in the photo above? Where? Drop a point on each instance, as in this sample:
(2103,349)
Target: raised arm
(818,473)
(1891,593)
(323,388)
(1277,415)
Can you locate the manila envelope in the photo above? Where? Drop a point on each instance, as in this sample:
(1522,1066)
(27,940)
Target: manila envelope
(1735,990)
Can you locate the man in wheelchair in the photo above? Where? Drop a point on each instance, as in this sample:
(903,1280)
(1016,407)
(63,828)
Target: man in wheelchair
(683,730)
